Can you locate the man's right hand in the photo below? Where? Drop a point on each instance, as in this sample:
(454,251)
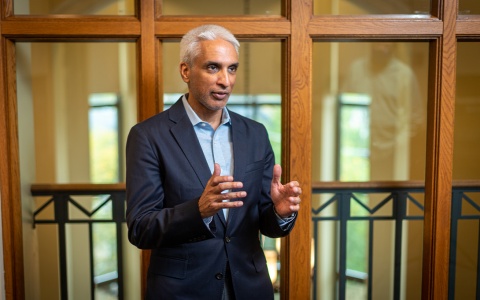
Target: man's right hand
(218,189)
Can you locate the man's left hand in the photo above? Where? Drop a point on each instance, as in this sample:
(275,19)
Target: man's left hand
(285,197)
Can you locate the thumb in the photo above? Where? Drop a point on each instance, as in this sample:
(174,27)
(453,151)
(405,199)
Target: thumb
(216,170)
(277,173)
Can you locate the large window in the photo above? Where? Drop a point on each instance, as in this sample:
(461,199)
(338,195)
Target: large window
(57,53)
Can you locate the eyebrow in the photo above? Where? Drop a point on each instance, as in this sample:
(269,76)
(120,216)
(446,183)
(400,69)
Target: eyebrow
(219,64)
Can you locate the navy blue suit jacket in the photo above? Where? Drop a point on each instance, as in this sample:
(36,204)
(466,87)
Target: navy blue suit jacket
(166,175)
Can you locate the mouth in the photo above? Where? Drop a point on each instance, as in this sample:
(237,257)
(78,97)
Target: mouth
(220,95)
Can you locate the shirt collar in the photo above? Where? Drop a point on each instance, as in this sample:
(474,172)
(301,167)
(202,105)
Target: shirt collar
(195,119)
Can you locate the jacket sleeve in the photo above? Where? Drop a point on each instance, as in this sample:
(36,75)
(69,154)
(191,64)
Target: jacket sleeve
(150,223)
(270,224)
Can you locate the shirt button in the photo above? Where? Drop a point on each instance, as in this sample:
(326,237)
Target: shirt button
(227,239)
(219,276)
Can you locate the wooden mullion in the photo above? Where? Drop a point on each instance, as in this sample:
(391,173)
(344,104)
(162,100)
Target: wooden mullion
(10,194)
(147,88)
(147,72)
(438,179)
(468,27)
(341,27)
(296,272)
(87,27)
(241,29)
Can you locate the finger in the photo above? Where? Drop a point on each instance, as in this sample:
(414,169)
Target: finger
(277,173)
(229,185)
(231,195)
(217,170)
(294,208)
(231,204)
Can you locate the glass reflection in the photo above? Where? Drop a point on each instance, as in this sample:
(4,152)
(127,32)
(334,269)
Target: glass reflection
(466,166)
(221,7)
(76,102)
(365,7)
(74,7)
(368,124)
(468,7)
(378,92)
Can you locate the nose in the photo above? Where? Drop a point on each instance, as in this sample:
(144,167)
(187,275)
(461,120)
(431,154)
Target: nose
(223,78)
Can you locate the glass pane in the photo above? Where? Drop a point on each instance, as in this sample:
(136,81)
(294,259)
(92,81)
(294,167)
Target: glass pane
(254,97)
(222,7)
(466,166)
(74,7)
(379,93)
(368,125)
(71,132)
(468,7)
(371,7)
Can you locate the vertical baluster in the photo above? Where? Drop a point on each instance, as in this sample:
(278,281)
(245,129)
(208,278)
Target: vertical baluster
(399,213)
(61,218)
(91,259)
(118,213)
(456,214)
(343,214)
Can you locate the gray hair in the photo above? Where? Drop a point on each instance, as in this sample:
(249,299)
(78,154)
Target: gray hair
(189,45)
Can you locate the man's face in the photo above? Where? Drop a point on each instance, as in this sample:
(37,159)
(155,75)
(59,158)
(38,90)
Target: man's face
(212,76)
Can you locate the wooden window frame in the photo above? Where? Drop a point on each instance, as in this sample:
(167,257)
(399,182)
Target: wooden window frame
(297,29)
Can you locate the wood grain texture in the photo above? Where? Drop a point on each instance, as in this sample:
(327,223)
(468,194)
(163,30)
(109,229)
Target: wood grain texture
(10,176)
(241,28)
(438,181)
(71,27)
(359,27)
(296,29)
(295,272)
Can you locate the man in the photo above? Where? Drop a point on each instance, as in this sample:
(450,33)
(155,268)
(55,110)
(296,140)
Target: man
(202,185)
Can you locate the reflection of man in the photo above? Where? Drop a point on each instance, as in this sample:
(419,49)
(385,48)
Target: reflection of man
(396,108)
(200,188)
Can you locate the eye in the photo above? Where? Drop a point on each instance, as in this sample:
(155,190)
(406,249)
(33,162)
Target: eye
(233,69)
(212,68)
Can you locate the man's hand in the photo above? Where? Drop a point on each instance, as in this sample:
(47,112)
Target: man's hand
(286,198)
(216,191)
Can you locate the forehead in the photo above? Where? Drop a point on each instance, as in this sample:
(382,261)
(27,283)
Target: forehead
(217,50)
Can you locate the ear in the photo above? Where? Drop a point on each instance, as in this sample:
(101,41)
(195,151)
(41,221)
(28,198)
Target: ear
(185,72)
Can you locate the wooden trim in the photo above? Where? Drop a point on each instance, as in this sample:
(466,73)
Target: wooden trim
(147,72)
(361,27)
(74,188)
(468,26)
(295,272)
(240,29)
(113,28)
(296,28)
(438,181)
(10,176)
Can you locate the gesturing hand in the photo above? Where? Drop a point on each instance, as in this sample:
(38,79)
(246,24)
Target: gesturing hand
(286,198)
(218,189)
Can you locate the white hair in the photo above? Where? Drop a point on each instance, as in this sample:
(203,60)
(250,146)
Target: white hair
(189,45)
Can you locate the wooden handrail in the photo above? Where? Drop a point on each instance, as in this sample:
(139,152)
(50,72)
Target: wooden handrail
(75,188)
(87,188)
(387,185)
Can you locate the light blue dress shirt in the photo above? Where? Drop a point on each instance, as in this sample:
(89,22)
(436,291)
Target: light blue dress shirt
(218,148)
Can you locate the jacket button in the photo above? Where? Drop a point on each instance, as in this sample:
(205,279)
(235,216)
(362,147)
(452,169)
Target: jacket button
(219,276)
(227,239)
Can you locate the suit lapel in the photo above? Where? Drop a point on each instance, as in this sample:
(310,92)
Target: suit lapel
(187,140)
(240,146)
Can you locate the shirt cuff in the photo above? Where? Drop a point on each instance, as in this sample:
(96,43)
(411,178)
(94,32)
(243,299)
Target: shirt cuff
(285,223)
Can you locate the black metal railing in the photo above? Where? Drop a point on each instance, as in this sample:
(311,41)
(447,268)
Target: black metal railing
(340,197)
(60,197)
(398,195)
